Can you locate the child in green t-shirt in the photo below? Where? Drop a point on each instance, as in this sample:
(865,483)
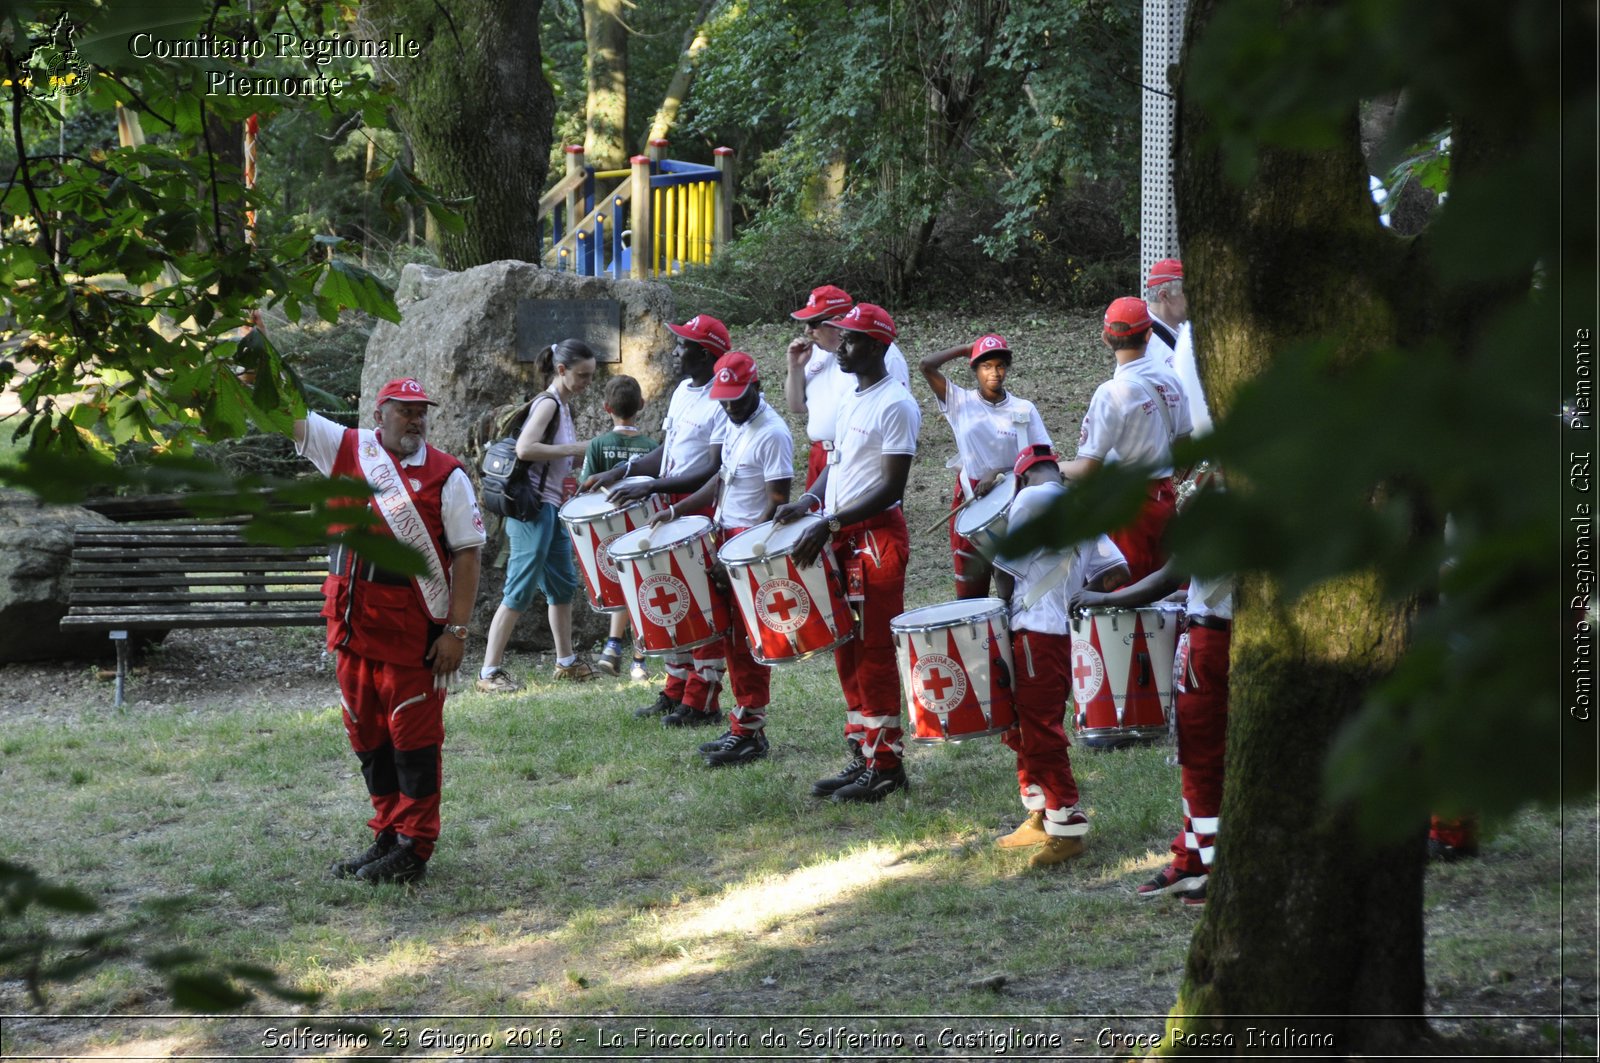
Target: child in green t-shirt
(623,401)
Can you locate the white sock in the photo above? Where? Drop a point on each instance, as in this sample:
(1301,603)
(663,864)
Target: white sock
(488,670)
(566,662)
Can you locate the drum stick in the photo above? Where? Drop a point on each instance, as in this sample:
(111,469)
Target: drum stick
(942,521)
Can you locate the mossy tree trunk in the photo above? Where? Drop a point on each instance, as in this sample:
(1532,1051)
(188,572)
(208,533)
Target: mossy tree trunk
(1303,917)
(478,112)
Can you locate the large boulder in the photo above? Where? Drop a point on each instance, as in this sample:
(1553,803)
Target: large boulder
(35,550)
(458,336)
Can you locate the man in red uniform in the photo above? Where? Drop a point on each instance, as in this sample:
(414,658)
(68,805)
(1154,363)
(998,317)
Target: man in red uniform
(398,638)
(859,493)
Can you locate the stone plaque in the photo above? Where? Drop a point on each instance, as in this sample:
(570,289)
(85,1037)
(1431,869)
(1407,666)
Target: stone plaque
(597,322)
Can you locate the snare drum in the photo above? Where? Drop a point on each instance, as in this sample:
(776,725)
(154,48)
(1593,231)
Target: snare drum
(790,612)
(983,523)
(955,665)
(594,521)
(1122,663)
(666,580)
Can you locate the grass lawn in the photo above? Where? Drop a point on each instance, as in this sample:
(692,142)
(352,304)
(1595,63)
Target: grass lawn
(592,870)
(590,865)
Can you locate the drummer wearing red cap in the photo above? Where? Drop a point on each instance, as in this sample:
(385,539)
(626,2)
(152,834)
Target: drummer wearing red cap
(398,638)
(689,455)
(991,427)
(858,494)
(815,383)
(1038,586)
(757,467)
(1135,417)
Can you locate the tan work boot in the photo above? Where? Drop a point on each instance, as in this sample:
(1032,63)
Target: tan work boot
(1056,850)
(1030,832)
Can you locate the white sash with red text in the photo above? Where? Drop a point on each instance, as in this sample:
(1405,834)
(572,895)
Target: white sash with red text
(392,500)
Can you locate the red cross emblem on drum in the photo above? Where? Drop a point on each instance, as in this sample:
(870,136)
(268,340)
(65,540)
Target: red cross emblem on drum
(1088,671)
(608,567)
(940,682)
(783,605)
(664,598)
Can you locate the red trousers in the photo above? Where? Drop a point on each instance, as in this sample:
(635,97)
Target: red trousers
(1202,715)
(1044,771)
(394,716)
(816,461)
(751,680)
(972,568)
(1458,833)
(1141,542)
(868,670)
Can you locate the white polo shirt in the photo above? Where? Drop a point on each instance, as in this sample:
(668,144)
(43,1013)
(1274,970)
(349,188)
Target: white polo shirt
(1210,597)
(827,384)
(694,421)
(753,455)
(1124,423)
(1085,562)
(989,436)
(458,501)
(884,419)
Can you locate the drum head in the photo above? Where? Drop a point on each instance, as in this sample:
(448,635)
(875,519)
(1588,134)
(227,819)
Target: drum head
(665,537)
(779,539)
(989,506)
(948,614)
(592,505)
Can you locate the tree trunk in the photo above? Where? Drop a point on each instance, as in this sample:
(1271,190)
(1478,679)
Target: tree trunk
(1303,917)
(478,112)
(605,140)
(694,42)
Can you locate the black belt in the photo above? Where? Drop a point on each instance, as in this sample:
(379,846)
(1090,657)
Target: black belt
(1215,623)
(340,558)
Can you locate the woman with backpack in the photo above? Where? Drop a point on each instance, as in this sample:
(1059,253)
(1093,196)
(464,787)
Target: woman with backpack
(541,555)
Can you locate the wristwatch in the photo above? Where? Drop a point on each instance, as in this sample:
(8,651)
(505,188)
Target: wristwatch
(458,630)
(834,525)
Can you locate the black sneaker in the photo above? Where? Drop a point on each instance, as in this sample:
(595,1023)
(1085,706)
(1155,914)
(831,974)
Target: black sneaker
(659,707)
(1195,898)
(722,741)
(684,716)
(849,774)
(742,750)
(400,864)
(874,784)
(347,867)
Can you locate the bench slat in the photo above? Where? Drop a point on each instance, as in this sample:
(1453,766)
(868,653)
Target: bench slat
(112,597)
(149,622)
(95,581)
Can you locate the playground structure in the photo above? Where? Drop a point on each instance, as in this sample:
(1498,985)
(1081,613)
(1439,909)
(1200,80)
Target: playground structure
(656,218)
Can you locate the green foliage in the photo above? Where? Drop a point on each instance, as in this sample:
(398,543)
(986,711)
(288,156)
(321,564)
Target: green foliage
(930,107)
(38,954)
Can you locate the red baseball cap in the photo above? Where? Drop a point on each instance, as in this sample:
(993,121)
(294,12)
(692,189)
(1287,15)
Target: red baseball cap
(1033,456)
(823,303)
(866,317)
(707,331)
(993,343)
(1126,317)
(1164,272)
(733,375)
(404,389)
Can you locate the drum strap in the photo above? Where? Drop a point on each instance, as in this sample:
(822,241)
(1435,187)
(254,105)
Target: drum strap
(1166,414)
(1050,581)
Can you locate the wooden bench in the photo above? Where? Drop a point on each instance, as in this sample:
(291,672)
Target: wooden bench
(158,577)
